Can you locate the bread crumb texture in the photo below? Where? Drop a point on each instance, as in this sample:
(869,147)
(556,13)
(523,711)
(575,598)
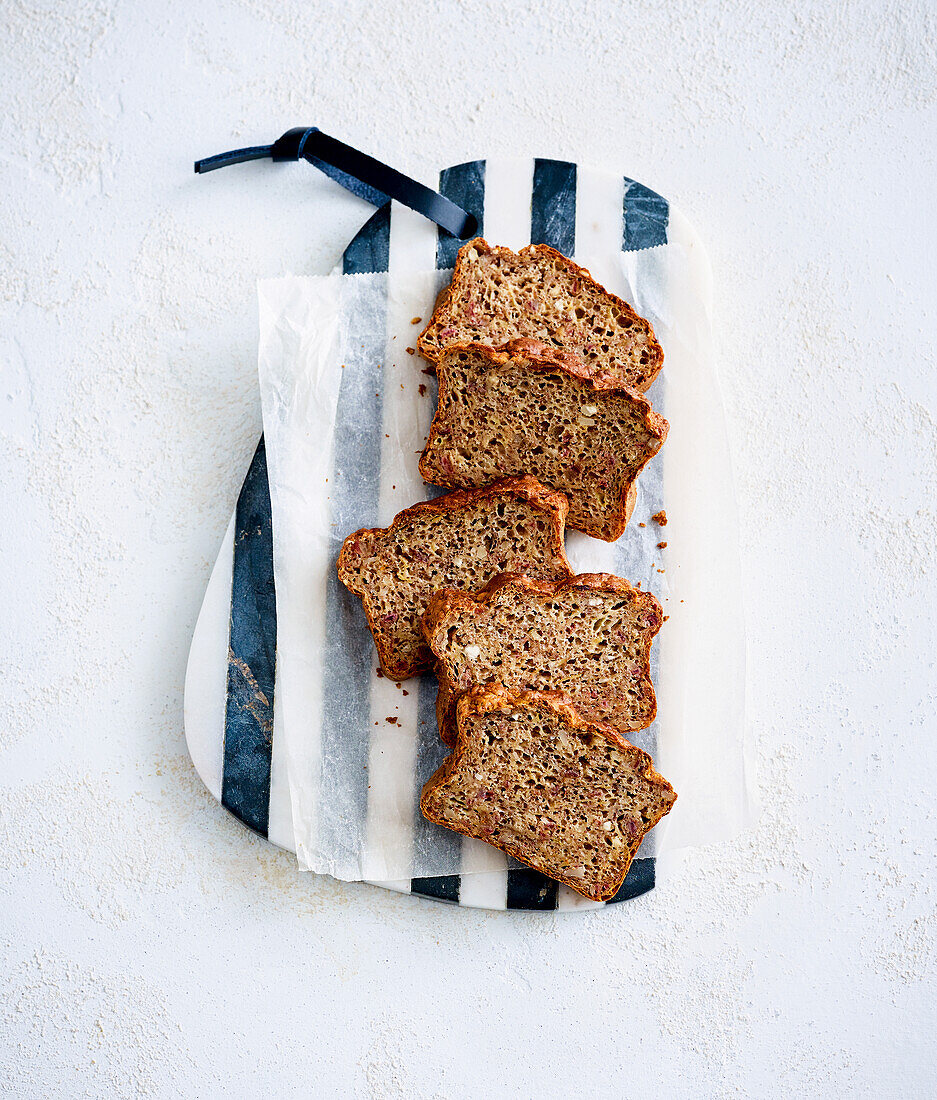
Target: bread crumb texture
(588,636)
(460,540)
(527,775)
(498,295)
(527,408)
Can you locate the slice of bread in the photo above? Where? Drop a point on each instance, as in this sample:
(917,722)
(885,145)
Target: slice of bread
(530,408)
(497,295)
(570,798)
(460,540)
(588,636)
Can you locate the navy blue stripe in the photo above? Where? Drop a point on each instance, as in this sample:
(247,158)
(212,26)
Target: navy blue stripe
(552,222)
(252,643)
(646,217)
(529,889)
(370,249)
(440,887)
(553,205)
(639,880)
(355,480)
(463,184)
(431,751)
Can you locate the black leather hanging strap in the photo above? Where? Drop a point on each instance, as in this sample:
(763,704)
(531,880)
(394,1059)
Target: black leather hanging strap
(364,176)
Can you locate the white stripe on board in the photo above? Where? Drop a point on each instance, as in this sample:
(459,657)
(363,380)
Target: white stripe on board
(599,198)
(484,882)
(568,900)
(412,241)
(206,672)
(509,182)
(400,885)
(508,187)
(392,795)
(280,814)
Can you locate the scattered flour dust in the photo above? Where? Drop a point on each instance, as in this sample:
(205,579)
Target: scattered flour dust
(910,954)
(106,1034)
(394,1064)
(74,120)
(692,970)
(105,849)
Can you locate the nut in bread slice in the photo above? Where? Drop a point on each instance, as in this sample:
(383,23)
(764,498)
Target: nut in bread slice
(459,540)
(497,295)
(588,636)
(530,408)
(570,798)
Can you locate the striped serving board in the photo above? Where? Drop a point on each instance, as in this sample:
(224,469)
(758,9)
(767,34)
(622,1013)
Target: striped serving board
(230,713)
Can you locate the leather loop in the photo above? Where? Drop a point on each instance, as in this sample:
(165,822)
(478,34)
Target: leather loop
(364,176)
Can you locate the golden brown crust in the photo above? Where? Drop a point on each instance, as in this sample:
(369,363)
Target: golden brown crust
(431,351)
(553,504)
(494,696)
(538,356)
(446,600)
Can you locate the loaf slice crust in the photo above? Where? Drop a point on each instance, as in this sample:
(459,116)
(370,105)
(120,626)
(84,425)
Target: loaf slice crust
(531,408)
(570,798)
(459,540)
(588,636)
(497,295)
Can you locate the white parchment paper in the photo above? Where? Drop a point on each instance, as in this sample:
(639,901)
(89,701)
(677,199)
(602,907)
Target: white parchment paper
(346,410)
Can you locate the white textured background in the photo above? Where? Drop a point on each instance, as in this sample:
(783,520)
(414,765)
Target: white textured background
(149,945)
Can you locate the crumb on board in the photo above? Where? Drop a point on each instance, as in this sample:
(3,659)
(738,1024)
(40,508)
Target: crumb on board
(666,617)
(380,674)
(406,692)
(415,320)
(662,546)
(422,389)
(660,518)
(411,351)
(642,525)
(393,721)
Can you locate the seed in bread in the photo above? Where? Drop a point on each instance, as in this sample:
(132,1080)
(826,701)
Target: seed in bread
(588,636)
(572,799)
(530,408)
(497,295)
(460,540)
